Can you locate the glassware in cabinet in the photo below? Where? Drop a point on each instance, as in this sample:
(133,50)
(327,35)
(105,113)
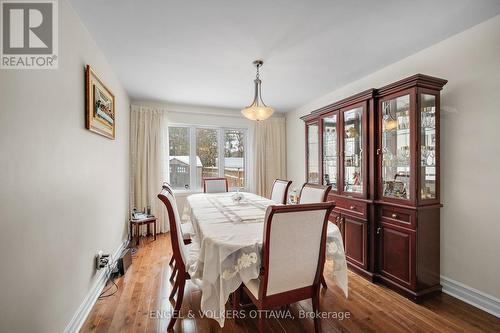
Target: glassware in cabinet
(313,153)
(396,145)
(330,151)
(428,146)
(353,150)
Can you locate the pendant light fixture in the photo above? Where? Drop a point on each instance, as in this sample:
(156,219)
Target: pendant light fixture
(258,110)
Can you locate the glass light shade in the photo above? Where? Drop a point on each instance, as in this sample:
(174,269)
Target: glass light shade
(257,112)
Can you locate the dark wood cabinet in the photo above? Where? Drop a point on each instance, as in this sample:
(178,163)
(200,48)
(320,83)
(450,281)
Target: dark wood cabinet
(342,131)
(380,151)
(354,233)
(355,240)
(408,244)
(397,254)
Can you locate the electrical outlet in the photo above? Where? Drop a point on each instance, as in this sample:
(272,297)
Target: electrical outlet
(102,260)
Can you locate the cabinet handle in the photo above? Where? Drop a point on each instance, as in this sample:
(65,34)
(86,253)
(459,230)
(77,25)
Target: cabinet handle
(394,215)
(352,208)
(378,151)
(378,230)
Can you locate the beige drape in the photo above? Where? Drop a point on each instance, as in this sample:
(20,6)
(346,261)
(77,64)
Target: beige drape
(270,154)
(148,133)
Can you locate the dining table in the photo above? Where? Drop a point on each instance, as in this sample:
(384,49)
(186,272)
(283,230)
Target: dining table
(228,228)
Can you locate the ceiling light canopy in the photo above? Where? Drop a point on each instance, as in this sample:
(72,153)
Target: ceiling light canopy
(258,110)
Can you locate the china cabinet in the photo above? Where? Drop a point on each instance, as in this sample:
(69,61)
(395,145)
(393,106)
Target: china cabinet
(379,150)
(342,156)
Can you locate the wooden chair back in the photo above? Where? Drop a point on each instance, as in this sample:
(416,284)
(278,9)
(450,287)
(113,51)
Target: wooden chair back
(313,193)
(178,247)
(215,185)
(168,187)
(280,190)
(293,251)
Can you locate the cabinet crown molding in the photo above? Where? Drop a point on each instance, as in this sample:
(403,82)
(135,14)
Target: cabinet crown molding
(418,80)
(359,97)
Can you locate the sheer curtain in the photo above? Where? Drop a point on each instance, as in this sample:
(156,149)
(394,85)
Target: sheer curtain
(270,154)
(148,151)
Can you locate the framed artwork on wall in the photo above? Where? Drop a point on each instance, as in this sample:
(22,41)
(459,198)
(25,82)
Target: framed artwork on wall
(99,105)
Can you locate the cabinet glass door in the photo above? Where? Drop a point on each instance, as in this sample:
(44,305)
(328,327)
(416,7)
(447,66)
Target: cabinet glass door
(428,147)
(353,150)
(330,154)
(396,148)
(313,153)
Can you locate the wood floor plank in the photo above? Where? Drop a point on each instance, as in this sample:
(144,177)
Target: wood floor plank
(144,290)
(152,274)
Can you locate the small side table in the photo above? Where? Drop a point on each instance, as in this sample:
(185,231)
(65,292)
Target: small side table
(138,223)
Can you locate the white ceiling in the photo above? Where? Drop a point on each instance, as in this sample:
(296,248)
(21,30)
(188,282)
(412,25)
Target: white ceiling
(200,52)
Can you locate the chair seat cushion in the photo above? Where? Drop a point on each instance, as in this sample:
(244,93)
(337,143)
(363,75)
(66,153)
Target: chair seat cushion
(253,287)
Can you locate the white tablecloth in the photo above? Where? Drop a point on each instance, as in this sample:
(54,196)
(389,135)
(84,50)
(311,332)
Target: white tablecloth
(230,238)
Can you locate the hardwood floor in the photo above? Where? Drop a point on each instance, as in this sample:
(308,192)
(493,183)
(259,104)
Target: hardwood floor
(143,294)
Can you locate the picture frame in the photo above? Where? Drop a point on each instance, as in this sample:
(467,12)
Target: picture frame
(100,112)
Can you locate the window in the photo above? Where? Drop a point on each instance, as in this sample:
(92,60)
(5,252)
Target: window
(179,165)
(200,152)
(234,157)
(207,154)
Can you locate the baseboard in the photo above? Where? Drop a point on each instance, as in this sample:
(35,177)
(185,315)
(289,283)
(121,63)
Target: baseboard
(83,311)
(361,272)
(472,296)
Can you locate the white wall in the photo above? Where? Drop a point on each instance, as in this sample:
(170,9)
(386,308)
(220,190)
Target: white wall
(63,189)
(470,219)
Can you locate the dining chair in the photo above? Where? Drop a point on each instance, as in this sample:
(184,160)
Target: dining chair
(186,228)
(280,190)
(312,193)
(215,185)
(315,193)
(288,273)
(181,253)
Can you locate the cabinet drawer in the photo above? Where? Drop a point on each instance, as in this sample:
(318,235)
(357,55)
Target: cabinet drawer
(353,207)
(398,216)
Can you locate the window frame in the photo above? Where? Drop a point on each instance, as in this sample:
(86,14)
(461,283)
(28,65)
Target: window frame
(220,154)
